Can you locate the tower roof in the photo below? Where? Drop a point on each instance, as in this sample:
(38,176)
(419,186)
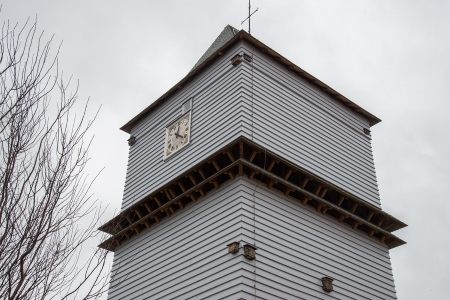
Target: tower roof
(226,39)
(227,34)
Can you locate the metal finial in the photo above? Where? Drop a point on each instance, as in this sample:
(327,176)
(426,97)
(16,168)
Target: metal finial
(249,15)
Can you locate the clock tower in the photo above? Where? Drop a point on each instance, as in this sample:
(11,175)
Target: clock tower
(251,179)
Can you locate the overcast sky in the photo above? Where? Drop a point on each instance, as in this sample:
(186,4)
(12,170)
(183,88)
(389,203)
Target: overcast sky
(391,57)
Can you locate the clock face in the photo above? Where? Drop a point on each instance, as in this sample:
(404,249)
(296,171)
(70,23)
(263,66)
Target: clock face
(178,135)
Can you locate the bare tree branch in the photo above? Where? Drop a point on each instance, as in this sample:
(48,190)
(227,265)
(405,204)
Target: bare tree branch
(47,213)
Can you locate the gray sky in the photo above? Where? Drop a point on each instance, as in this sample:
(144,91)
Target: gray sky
(390,57)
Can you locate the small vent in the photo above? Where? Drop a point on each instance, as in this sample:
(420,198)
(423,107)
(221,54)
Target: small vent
(366,131)
(187,106)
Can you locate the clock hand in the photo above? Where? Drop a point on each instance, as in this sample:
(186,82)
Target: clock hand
(177,133)
(178,130)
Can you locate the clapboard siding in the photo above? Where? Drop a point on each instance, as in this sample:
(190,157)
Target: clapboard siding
(312,242)
(297,247)
(327,142)
(325,137)
(184,256)
(294,119)
(216,121)
(308,158)
(204,128)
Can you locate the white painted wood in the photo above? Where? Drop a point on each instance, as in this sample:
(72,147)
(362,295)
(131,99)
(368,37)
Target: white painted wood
(290,117)
(296,120)
(185,256)
(216,119)
(297,247)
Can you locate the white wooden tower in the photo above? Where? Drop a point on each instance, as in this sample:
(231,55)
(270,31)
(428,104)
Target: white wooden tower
(251,179)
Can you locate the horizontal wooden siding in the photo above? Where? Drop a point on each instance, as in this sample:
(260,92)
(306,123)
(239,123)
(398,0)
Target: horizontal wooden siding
(296,247)
(294,119)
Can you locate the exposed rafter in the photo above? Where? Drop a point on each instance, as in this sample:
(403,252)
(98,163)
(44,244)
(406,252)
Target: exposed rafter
(243,157)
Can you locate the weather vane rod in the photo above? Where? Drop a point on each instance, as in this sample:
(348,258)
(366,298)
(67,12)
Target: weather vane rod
(249,15)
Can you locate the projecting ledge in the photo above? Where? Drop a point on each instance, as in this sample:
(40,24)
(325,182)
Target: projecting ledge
(244,157)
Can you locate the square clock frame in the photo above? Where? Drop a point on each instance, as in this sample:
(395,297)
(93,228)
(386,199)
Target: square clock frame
(178,135)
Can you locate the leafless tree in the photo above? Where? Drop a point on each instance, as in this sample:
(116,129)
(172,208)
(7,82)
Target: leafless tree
(46,209)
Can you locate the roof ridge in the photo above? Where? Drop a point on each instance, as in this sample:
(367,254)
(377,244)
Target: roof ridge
(227,34)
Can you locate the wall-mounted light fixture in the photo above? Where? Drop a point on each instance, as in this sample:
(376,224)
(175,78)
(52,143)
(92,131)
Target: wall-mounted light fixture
(233,247)
(249,251)
(237,59)
(327,284)
(131,141)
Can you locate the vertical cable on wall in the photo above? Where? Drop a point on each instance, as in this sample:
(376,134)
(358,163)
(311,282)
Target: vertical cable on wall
(260,180)
(252,96)
(253,196)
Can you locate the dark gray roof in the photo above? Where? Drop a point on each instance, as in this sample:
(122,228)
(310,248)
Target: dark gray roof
(227,34)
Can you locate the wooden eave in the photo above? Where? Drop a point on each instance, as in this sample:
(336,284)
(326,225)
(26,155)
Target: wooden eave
(246,157)
(242,35)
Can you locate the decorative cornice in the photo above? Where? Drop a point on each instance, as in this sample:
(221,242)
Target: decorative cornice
(244,157)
